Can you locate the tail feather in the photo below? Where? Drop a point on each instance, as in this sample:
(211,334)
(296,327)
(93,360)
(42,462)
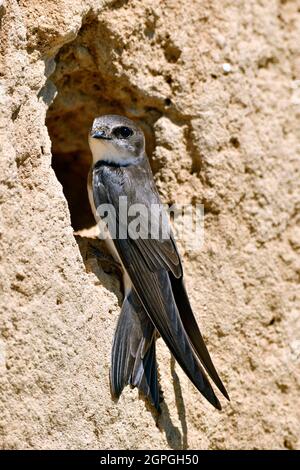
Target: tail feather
(155,292)
(133,353)
(193,332)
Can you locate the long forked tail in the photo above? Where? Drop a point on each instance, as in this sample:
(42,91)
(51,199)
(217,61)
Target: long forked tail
(133,360)
(193,332)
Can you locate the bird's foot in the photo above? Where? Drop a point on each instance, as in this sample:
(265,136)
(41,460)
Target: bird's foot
(108,263)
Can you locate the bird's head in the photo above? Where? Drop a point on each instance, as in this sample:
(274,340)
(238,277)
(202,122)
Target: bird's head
(116,139)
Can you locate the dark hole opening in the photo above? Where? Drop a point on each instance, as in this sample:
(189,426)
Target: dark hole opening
(71,164)
(72,172)
(88,86)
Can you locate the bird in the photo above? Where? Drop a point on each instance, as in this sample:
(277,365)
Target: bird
(155,301)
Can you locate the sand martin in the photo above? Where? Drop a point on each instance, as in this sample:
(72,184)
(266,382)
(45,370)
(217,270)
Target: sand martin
(156,302)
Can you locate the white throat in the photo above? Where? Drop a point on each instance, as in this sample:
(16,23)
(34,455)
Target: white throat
(105,150)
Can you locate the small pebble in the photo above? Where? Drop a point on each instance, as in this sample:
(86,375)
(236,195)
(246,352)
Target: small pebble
(226,67)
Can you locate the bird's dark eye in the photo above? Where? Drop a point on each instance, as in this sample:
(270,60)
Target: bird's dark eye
(122,132)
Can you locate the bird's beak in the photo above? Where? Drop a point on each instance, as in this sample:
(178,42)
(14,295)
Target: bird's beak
(100,135)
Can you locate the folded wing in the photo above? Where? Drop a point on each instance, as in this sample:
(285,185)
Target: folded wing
(155,270)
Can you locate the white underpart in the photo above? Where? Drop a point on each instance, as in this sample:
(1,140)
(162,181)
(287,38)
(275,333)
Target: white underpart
(96,152)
